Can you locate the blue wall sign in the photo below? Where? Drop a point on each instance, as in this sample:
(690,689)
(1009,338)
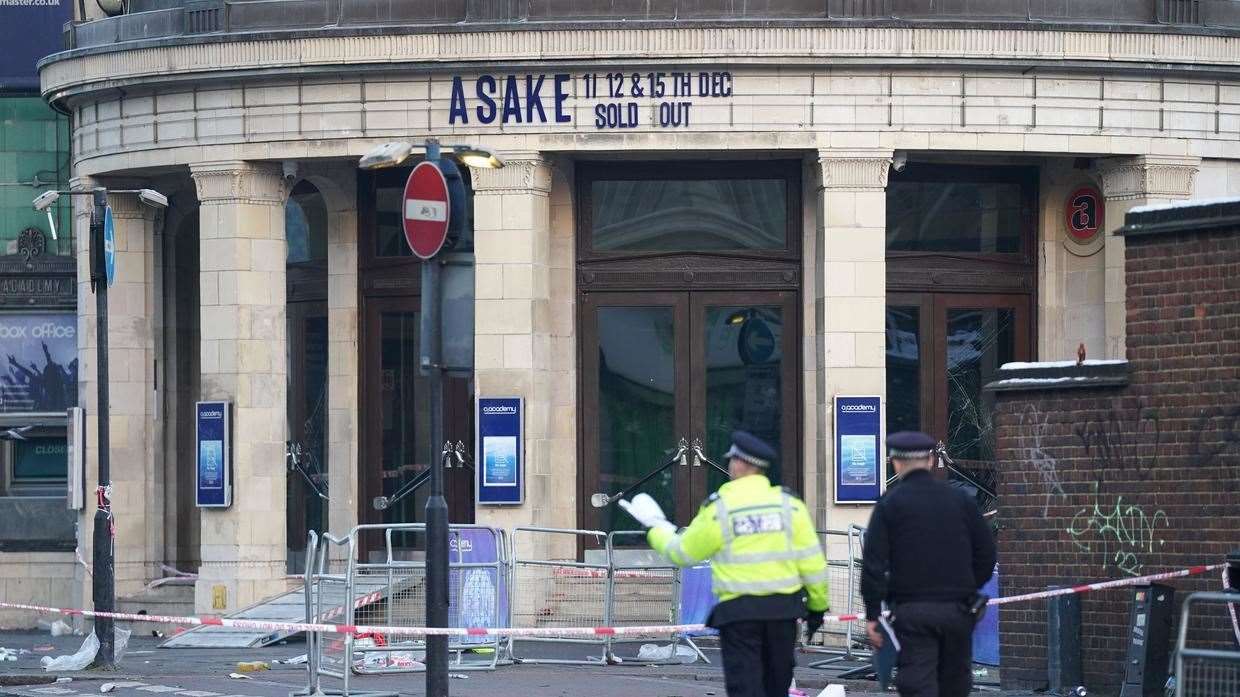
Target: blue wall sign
(499,460)
(213,479)
(109,245)
(858,464)
(30,31)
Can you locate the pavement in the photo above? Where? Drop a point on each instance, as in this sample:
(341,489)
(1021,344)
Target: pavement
(148,671)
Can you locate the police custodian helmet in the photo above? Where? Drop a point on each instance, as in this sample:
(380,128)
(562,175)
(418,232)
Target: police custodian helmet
(910,445)
(751,449)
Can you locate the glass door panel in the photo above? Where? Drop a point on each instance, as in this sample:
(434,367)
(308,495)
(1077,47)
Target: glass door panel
(307,414)
(979,340)
(744,378)
(635,381)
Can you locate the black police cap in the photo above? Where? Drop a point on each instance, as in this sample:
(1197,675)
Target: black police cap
(751,449)
(910,444)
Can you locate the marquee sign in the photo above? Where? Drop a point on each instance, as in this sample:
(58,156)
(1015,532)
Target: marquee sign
(614,100)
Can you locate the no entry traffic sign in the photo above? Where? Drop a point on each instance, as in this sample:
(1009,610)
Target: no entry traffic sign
(426,210)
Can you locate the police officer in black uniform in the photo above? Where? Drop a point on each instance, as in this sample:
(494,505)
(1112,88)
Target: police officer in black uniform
(927,552)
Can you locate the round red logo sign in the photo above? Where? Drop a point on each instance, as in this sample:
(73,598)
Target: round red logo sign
(425,210)
(1084,211)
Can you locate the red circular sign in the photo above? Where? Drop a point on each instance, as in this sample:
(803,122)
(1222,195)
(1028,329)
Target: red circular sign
(1084,211)
(425,210)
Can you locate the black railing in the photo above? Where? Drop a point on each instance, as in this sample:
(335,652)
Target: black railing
(156,19)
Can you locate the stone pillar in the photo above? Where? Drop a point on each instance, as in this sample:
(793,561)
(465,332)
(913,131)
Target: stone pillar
(519,349)
(851,300)
(242,254)
(339,188)
(137,483)
(136,486)
(1127,183)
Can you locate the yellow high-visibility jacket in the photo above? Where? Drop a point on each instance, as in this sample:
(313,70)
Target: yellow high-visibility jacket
(759,538)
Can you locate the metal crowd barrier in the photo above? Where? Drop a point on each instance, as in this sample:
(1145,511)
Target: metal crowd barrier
(558,592)
(330,600)
(477,597)
(1205,672)
(843,641)
(643,594)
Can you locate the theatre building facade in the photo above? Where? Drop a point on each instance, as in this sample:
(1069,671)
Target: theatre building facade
(705,222)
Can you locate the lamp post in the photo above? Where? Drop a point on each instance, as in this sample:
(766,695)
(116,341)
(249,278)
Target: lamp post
(431,363)
(103,577)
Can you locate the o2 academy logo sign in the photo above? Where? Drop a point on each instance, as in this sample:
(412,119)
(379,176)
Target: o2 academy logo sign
(615,100)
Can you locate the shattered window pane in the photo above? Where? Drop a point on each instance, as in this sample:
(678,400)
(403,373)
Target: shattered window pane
(978,342)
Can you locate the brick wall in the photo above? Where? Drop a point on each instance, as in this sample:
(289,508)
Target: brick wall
(1107,482)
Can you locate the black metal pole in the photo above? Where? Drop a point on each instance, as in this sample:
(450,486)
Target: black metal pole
(103,579)
(436,506)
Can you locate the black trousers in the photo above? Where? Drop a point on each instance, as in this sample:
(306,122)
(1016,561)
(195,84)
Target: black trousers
(758,657)
(936,649)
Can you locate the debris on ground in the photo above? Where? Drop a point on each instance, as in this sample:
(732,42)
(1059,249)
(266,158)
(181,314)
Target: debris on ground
(86,654)
(654,652)
(458,676)
(238,676)
(43,648)
(252,666)
(107,687)
(58,628)
(294,661)
(61,681)
(7,654)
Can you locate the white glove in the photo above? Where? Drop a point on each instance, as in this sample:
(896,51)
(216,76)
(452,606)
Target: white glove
(646,511)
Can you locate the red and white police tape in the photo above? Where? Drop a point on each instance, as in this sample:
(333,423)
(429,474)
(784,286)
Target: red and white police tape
(652,630)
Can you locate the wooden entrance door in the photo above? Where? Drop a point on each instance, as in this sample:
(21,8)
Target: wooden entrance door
(942,349)
(661,366)
(396,418)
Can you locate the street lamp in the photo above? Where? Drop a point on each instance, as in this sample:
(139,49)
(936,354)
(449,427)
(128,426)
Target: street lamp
(392,155)
(103,578)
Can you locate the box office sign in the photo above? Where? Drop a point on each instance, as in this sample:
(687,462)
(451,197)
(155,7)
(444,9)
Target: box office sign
(613,100)
(499,460)
(858,467)
(213,474)
(38,362)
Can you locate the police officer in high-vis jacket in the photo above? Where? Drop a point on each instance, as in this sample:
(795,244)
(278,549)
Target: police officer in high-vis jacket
(766,567)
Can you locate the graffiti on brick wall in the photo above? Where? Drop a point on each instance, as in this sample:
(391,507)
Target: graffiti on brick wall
(1116,445)
(1119,532)
(1044,465)
(1216,439)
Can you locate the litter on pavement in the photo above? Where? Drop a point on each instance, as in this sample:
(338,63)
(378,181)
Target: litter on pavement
(252,666)
(107,687)
(86,654)
(238,676)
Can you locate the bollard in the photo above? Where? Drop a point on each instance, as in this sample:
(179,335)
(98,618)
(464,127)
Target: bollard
(1063,643)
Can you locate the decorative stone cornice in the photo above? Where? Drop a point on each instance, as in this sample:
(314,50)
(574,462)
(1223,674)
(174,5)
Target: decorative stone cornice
(854,171)
(521,172)
(115,67)
(238,182)
(1148,176)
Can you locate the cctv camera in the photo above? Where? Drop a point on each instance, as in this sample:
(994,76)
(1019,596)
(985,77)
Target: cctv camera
(290,171)
(45,200)
(899,161)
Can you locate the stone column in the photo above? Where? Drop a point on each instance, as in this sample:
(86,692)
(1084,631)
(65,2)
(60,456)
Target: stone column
(136,494)
(519,349)
(137,483)
(851,296)
(339,188)
(242,254)
(1127,183)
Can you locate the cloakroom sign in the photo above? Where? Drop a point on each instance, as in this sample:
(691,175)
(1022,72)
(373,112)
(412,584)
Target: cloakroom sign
(613,100)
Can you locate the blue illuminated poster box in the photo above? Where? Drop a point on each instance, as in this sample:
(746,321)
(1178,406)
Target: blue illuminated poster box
(213,471)
(499,457)
(858,461)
